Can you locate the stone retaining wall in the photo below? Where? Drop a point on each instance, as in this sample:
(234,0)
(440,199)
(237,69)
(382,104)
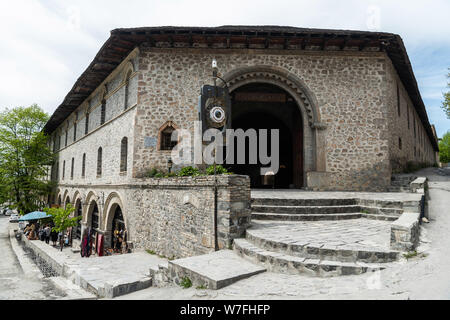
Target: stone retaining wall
(174,217)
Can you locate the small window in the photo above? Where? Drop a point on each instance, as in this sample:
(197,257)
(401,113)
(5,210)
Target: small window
(123,154)
(66,140)
(83,166)
(99,162)
(103,112)
(127,89)
(86,124)
(64,169)
(165,137)
(71,168)
(400,143)
(74,132)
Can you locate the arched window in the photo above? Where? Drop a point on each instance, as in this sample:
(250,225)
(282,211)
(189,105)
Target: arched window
(165,136)
(83,166)
(99,162)
(127,89)
(103,112)
(74,132)
(64,169)
(86,124)
(66,140)
(71,168)
(123,154)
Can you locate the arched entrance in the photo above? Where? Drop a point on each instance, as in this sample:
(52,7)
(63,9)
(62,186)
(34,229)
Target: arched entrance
(266,106)
(118,229)
(94,216)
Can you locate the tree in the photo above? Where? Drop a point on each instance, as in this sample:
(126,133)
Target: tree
(444,148)
(446,102)
(61,218)
(24,158)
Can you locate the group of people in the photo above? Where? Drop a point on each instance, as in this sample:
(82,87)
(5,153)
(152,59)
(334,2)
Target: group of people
(35,231)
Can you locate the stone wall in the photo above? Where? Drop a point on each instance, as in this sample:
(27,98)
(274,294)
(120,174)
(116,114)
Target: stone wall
(348,88)
(405,127)
(173,217)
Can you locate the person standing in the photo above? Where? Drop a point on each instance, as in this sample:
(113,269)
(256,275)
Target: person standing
(47,231)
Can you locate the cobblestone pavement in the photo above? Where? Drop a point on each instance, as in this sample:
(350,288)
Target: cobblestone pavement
(354,234)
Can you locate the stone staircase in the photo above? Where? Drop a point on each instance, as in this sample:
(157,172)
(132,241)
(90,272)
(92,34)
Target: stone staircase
(287,254)
(400,183)
(324,209)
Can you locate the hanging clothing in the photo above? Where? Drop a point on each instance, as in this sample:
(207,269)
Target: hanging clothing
(100,245)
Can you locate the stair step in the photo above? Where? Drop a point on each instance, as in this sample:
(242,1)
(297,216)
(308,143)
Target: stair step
(303,202)
(382,217)
(378,210)
(303,249)
(307,209)
(304,217)
(278,262)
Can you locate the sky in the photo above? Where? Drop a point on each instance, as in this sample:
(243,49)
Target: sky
(46,45)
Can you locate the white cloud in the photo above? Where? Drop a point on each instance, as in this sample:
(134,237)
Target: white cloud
(46,45)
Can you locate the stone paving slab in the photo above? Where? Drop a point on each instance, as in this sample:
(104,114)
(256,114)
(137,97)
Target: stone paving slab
(106,276)
(218,269)
(301,194)
(344,234)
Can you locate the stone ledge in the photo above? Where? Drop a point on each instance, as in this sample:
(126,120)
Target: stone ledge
(405,232)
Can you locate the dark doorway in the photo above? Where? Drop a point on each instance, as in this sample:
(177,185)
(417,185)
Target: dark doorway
(118,228)
(266,106)
(78,213)
(94,217)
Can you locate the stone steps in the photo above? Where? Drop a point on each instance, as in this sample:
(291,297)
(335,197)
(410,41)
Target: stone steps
(383,217)
(304,217)
(306,209)
(283,263)
(303,249)
(304,202)
(214,270)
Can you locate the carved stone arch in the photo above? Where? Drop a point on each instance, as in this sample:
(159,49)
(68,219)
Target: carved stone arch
(90,197)
(77,196)
(314,154)
(65,194)
(113,199)
(279,77)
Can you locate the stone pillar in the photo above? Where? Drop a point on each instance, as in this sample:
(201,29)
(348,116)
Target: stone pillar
(233,208)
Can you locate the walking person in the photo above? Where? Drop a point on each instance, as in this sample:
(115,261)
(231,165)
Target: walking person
(54,236)
(47,231)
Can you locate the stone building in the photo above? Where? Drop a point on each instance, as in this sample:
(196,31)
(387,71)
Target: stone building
(346,103)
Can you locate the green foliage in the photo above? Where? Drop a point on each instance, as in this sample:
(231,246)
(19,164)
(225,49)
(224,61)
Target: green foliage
(202,286)
(61,217)
(444,148)
(186,282)
(219,170)
(446,103)
(188,171)
(151,173)
(25,158)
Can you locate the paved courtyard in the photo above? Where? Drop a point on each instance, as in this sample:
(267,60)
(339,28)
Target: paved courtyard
(355,234)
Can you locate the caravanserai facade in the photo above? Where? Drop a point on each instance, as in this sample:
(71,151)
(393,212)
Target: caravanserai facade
(346,103)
